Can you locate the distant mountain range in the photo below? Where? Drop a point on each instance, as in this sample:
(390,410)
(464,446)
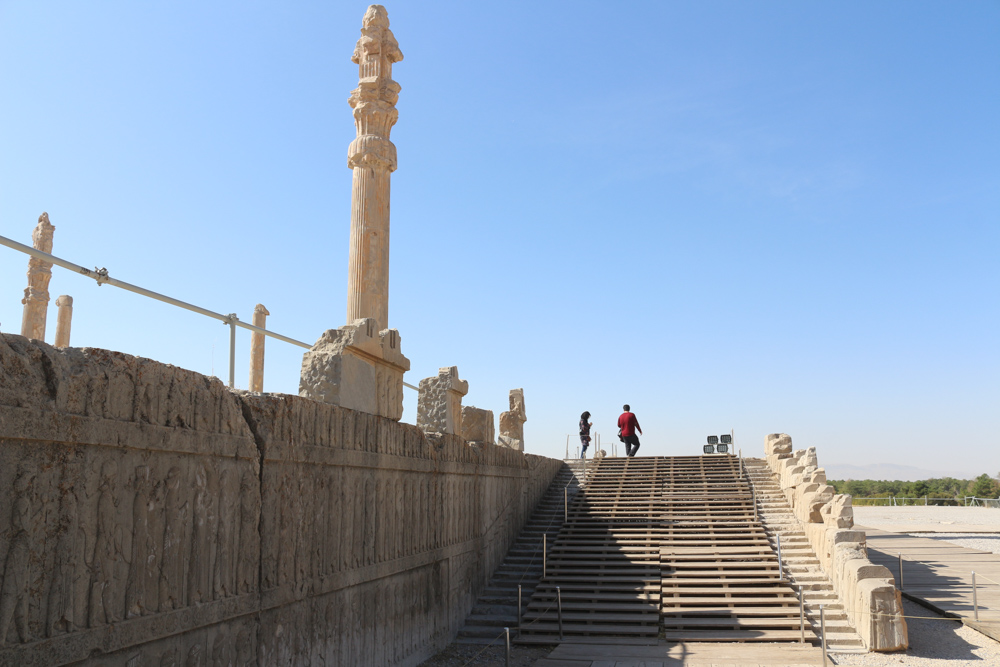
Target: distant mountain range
(888,472)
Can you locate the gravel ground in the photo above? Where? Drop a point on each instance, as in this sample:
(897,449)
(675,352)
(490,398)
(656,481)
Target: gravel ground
(936,642)
(889,517)
(460,655)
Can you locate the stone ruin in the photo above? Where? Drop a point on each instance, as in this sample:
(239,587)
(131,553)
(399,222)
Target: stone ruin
(512,422)
(868,591)
(357,367)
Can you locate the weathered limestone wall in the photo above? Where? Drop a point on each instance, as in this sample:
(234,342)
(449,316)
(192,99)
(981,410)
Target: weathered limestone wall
(150,516)
(868,591)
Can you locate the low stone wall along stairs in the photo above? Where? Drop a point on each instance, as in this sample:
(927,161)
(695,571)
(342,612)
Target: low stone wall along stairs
(496,608)
(802,567)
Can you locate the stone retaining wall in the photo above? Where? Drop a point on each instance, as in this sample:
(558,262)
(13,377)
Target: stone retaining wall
(151,516)
(868,591)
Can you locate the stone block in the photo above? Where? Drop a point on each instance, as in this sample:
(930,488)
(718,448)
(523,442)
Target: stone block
(356,367)
(439,404)
(512,422)
(777,443)
(880,620)
(477,425)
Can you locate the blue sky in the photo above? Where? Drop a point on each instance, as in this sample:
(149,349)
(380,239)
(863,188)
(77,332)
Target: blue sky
(751,216)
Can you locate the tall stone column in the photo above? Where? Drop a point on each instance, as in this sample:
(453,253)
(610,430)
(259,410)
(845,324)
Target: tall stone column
(373,158)
(260,314)
(36,294)
(64,320)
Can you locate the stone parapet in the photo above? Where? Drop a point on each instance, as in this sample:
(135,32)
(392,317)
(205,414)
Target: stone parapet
(151,516)
(867,591)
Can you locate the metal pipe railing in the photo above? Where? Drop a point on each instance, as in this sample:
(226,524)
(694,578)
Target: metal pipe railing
(102,278)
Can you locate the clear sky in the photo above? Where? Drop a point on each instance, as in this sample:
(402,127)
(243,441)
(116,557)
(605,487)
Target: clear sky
(770,216)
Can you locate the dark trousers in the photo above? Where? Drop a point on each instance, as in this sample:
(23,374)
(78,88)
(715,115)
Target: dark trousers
(631,444)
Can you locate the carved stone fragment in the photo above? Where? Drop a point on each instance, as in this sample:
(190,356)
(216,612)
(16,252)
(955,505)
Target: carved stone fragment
(64,320)
(356,367)
(36,294)
(439,405)
(512,422)
(477,425)
(260,314)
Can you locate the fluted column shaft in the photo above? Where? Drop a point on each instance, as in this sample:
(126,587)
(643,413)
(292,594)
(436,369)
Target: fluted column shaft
(368,265)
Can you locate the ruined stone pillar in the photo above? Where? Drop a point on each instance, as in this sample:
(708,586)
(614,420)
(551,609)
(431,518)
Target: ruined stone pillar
(373,158)
(439,405)
(512,422)
(36,294)
(64,320)
(260,314)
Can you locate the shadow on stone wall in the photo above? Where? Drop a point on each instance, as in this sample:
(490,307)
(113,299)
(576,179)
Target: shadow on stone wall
(151,516)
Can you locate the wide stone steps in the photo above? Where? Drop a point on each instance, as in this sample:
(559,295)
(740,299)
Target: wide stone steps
(496,607)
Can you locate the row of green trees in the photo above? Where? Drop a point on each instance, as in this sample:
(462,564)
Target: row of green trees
(945,488)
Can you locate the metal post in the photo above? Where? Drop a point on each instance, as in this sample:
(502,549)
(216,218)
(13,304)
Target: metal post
(925,501)
(975,600)
(567,446)
(802,616)
(781,568)
(232,350)
(507,660)
(519,609)
(545,540)
(900,571)
(559,600)
(565,504)
(822,630)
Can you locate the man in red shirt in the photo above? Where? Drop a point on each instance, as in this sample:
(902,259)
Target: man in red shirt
(629,425)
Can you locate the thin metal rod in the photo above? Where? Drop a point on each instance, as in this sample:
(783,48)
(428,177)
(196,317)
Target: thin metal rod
(802,616)
(545,541)
(102,277)
(232,349)
(519,609)
(781,568)
(507,660)
(565,504)
(559,600)
(822,631)
(975,600)
(900,571)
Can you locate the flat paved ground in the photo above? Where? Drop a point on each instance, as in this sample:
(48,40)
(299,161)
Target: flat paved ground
(940,573)
(671,654)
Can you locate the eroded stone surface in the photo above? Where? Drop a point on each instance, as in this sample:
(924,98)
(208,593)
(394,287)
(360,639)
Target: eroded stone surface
(140,502)
(439,404)
(867,591)
(36,294)
(64,320)
(257,340)
(372,157)
(512,422)
(477,425)
(356,367)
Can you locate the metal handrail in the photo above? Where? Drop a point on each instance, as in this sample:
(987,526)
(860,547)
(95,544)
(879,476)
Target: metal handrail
(102,278)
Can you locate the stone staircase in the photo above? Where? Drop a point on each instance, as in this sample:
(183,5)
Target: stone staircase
(801,564)
(496,607)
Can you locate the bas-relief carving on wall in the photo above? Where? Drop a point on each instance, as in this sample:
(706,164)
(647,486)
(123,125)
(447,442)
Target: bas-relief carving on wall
(165,524)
